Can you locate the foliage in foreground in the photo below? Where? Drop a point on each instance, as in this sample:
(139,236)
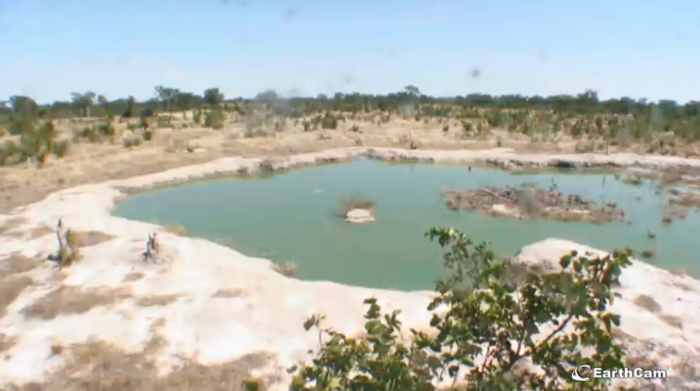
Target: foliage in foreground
(488,330)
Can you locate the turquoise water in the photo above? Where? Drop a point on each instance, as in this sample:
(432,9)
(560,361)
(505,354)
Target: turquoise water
(290,217)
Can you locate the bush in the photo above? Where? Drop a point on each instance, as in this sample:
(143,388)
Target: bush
(130,142)
(214,119)
(8,150)
(148,134)
(329,121)
(491,331)
(61,148)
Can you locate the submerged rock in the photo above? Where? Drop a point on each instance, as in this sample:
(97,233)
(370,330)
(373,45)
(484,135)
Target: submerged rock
(357,216)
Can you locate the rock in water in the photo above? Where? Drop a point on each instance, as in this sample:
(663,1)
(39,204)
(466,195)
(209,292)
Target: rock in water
(357,216)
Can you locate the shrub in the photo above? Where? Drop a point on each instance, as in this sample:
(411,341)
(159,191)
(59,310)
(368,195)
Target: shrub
(131,142)
(69,253)
(329,121)
(8,149)
(491,332)
(214,119)
(61,148)
(148,134)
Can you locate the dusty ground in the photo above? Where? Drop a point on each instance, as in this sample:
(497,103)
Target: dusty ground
(96,162)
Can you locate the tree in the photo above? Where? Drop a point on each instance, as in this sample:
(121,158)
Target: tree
(104,103)
(167,97)
(84,101)
(412,91)
(492,331)
(185,101)
(213,97)
(24,106)
(130,107)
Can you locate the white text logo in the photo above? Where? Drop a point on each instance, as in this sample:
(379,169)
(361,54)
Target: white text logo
(585,373)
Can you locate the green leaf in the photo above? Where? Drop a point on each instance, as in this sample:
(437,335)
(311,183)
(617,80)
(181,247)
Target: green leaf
(251,385)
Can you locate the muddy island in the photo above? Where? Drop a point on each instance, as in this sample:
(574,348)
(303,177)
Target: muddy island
(530,202)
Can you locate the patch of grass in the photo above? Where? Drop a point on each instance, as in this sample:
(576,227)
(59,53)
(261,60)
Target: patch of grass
(647,302)
(98,365)
(288,269)
(89,238)
(230,293)
(7,342)
(133,276)
(227,242)
(10,289)
(11,224)
(353,202)
(672,320)
(38,232)
(67,300)
(157,300)
(132,141)
(16,263)
(175,229)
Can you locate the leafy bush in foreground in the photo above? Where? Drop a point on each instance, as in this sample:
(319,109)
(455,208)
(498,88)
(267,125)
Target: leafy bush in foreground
(488,330)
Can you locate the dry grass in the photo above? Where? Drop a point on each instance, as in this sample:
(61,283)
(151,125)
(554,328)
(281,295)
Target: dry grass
(133,276)
(157,300)
(7,342)
(228,242)
(57,350)
(10,289)
(74,300)
(641,361)
(230,292)
(672,320)
(38,232)
(347,204)
(16,263)
(97,365)
(10,225)
(175,229)
(647,302)
(685,368)
(89,238)
(687,200)
(288,269)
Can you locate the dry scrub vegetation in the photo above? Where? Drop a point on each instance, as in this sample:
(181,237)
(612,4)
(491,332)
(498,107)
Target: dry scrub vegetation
(89,238)
(100,366)
(288,269)
(133,276)
(346,204)
(11,282)
(67,300)
(157,300)
(230,293)
(7,342)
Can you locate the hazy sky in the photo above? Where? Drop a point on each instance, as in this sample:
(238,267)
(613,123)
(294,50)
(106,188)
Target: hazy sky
(640,48)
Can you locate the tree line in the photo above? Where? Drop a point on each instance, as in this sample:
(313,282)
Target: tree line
(172,99)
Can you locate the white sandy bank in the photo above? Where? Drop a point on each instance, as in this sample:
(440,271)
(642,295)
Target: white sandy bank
(264,311)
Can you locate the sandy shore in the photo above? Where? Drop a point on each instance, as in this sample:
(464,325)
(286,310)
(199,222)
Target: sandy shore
(214,304)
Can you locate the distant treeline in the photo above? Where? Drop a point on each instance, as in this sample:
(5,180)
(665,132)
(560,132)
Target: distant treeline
(166,99)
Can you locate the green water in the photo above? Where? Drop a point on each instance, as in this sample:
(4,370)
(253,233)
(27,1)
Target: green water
(290,217)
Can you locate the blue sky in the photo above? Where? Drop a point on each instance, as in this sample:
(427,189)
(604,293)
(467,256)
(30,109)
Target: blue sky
(50,48)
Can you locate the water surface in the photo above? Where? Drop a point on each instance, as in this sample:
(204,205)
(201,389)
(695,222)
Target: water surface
(290,217)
